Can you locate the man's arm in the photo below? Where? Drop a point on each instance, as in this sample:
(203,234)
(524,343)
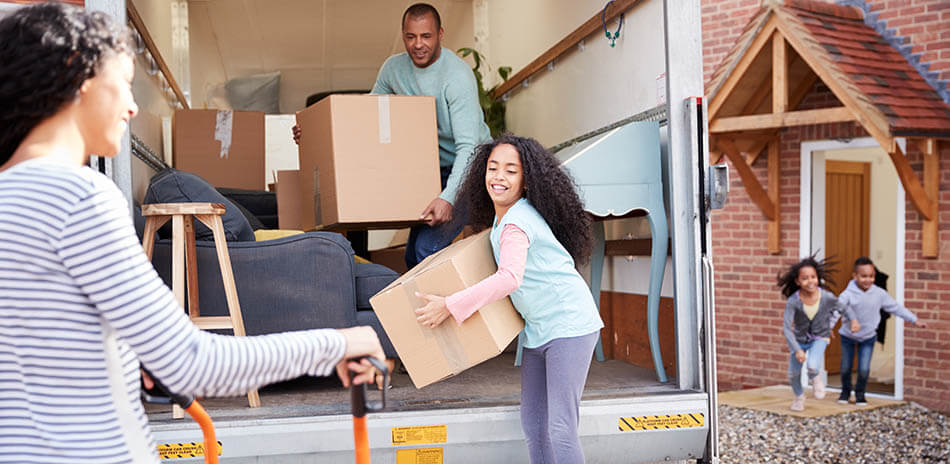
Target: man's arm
(383,85)
(468,129)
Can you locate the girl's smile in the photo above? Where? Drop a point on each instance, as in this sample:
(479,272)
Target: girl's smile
(808,279)
(504,178)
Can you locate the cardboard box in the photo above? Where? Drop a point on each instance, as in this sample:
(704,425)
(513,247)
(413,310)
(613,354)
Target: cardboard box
(429,354)
(392,257)
(369,160)
(225,147)
(288,200)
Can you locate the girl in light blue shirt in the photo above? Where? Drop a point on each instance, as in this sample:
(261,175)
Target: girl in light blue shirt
(539,231)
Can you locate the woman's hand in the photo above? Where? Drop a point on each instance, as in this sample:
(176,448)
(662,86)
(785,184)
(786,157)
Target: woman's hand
(800,356)
(920,324)
(434,312)
(855,326)
(360,341)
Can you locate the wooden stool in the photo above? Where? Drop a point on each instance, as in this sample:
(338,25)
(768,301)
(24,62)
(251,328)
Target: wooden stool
(183,249)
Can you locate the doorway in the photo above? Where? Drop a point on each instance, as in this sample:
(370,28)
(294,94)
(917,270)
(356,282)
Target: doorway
(847,230)
(853,205)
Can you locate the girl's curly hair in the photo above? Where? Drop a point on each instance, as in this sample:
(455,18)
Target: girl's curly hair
(46,52)
(546,185)
(787,280)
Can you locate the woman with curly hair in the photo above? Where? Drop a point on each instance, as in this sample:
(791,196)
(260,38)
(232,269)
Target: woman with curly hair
(810,311)
(80,304)
(539,231)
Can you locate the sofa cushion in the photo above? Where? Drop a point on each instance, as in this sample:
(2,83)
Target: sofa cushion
(259,206)
(370,279)
(174,186)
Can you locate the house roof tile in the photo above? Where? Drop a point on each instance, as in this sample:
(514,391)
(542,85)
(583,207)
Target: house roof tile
(872,70)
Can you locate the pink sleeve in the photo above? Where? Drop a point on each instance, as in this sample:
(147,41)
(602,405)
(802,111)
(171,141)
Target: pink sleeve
(512,256)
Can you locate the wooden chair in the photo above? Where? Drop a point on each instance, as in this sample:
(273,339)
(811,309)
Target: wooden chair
(182,216)
(617,172)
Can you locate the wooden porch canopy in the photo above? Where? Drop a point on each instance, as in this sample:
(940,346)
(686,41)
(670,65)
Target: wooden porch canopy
(784,50)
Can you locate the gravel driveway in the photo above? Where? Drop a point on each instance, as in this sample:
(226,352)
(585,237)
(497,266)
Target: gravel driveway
(907,433)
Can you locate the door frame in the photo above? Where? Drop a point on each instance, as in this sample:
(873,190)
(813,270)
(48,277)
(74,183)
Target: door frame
(806,245)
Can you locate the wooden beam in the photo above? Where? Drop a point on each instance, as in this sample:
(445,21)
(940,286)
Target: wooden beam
(631,247)
(804,87)
(565,45)
(929,232)
(751,183)
(775,225)
(736,74)
(872,121)
(721,96)
(779,74)
(912,185)
(779,120)
(758,96)
(153,50)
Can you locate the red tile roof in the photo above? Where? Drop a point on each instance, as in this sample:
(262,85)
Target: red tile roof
(851,50)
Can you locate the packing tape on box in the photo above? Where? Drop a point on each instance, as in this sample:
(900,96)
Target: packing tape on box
(222,131)
(385,127)
(443,335)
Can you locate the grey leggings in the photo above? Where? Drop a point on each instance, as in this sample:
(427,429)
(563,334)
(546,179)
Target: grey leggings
(552,381)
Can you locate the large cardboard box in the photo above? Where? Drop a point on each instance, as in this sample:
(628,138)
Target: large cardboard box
(224,147)
(288,200)
(368,160)
(430,354)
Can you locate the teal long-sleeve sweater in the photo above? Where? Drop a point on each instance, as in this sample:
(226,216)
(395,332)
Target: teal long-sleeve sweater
(457,111)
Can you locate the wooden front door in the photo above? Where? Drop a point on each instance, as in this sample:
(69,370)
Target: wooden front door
(847,229)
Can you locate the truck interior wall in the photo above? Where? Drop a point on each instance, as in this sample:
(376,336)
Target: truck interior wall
(317,46)
(588,88)
(154,103)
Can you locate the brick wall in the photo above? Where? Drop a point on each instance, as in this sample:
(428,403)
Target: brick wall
(920,29)
(723,21)
(751,347)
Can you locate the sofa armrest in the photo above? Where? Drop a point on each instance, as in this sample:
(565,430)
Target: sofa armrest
(303,281)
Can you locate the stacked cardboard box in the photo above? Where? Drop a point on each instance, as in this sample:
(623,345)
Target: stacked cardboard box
(226,148)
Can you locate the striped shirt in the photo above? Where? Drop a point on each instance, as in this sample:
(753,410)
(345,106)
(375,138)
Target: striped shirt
(81,307)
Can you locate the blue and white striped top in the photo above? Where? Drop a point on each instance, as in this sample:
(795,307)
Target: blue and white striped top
(81,306)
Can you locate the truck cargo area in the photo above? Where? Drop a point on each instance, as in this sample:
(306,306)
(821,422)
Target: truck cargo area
(495,382)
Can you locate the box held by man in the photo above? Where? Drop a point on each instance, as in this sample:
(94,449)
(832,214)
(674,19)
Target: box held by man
(367,160)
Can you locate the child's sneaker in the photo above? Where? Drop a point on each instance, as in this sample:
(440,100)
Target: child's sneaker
(860,400)
(818,387)
(799,403)
(844,398)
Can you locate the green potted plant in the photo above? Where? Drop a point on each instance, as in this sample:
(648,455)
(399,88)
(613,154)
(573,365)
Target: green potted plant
(493,110)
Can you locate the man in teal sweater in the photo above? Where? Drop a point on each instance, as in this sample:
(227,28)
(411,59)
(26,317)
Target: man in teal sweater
(426,68)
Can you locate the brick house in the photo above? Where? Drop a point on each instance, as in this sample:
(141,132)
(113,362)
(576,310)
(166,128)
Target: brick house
(834,120)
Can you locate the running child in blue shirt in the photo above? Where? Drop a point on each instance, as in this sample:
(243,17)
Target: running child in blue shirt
(539,231)
(866,299)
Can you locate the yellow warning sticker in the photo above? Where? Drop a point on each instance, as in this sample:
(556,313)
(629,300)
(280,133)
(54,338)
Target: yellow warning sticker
(184,450)
(419,435)
(669,421)
(419,456)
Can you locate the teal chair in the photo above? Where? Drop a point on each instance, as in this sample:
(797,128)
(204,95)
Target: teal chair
(618,172)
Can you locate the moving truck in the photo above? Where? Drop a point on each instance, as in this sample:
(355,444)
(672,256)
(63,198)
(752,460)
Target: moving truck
(580,73)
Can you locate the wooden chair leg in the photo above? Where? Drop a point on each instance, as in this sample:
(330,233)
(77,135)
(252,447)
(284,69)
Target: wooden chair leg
(191,267)
(216,225)
(178,258)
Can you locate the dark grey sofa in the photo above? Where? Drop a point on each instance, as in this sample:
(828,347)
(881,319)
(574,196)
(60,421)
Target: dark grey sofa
(304,281)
